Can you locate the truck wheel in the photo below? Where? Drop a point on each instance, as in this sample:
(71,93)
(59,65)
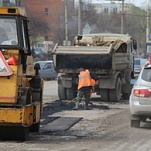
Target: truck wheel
(61,92)
(135,123)
(70,93)
(115,94)
(125,96)
(104,93)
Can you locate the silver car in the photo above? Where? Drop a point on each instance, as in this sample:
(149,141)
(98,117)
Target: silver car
(47,71)
(140,98)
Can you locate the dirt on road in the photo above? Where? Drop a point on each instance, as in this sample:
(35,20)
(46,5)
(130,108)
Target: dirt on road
(104,128)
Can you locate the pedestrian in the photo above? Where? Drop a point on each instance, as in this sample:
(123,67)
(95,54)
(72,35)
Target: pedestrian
(148,61)
(84,88)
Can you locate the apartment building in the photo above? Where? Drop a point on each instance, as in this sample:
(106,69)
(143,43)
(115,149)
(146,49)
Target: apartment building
(44,17)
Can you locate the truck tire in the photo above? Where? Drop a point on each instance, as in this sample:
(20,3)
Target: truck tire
(61,92)
(115,94)
(104,93)
(126,96)
(70,93)
(126,90)
(135,123)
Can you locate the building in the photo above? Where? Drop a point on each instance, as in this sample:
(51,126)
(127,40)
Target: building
(44,17)
(111,7)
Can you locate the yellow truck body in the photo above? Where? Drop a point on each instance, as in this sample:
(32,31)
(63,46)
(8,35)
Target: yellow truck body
(21,88)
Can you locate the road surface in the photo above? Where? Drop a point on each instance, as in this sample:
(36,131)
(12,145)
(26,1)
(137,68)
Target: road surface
(104,128)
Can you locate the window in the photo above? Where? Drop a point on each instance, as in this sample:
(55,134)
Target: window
(46,38)
(106,10)
(146,75)
(47,66)
(8,32)
(114,10)
(149,49)
(46,11)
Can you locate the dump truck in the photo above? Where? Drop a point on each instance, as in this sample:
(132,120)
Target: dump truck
(21,88)
(109,56)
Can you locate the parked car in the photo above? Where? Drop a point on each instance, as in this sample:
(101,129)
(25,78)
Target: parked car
(47,71)
(138,64)
(140,98)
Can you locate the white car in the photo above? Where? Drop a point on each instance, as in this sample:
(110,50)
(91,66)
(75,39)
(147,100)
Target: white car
(47,71)
(140,98)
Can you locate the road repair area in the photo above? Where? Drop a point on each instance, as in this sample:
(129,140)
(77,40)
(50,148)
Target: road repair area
(104,128)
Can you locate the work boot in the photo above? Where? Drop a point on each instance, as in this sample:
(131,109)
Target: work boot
(77,106)
(86,106)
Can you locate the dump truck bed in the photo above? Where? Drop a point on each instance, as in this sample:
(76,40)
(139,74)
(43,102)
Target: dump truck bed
(97,58)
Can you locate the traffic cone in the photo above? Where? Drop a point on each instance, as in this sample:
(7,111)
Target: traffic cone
(11,61)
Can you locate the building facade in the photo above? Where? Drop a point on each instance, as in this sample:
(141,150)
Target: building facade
(44,17)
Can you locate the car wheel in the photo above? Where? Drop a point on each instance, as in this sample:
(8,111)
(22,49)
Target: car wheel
(135,123)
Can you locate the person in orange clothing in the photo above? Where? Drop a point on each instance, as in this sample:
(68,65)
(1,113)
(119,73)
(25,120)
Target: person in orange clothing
(84,88)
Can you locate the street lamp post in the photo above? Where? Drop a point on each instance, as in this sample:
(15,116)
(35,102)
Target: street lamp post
(66,23)
(79,18)
(147,24)
(122,15)
(122,18)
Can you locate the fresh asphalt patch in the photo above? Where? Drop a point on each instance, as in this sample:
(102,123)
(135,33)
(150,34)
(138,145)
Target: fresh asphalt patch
(47,120)
(61,124)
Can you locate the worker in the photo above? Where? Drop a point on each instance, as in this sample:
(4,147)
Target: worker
(84,88)
(148,61)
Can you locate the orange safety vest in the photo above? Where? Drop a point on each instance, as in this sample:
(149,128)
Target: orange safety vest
(84,79)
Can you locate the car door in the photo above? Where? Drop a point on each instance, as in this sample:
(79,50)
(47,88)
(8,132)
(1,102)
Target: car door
(53,72)
(46,71)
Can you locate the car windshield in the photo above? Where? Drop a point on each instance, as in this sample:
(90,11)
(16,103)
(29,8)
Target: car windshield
(146,75)
(8,32)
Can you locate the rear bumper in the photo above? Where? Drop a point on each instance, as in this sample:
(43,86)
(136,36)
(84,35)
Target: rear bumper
(137,109)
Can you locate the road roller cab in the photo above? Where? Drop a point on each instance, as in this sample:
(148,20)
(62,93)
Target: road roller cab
(21,88)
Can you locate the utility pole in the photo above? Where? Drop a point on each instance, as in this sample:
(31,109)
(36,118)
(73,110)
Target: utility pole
(122,18)
(66,22)
(147,22)
(79,18)
(122,15)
